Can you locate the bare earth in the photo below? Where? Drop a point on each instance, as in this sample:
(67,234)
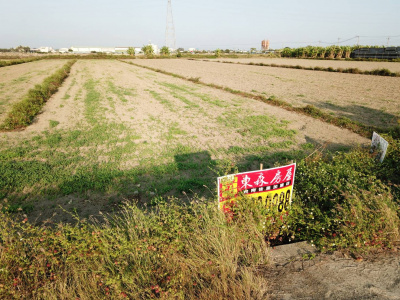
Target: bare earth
(15,81)
(344,64)
(143,107)
(373,100)
(332,276)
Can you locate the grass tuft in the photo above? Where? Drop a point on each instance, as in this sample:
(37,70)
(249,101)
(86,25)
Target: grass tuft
(194,79)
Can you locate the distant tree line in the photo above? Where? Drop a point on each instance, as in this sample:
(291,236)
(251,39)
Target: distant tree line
(321,52)
(21,49)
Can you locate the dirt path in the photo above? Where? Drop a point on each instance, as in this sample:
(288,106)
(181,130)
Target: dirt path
(372,100)
(332,276)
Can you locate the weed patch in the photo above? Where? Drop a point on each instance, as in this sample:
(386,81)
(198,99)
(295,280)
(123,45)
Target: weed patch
(169,251)
(53,123)
(120,92)
(162,100)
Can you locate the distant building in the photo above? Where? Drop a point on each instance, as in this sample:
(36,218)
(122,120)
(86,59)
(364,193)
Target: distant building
(191,50)
(265,45)
(121,50)
(63,50)
(108,50)
(45,49)
(124,50)
(155,48)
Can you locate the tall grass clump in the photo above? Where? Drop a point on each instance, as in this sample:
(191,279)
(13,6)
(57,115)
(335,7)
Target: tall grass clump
(22,113)
(172,251)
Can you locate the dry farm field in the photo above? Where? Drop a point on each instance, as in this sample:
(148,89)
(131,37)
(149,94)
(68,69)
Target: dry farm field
(345,64)
(117,131)
(111,191)
(371,100)
(15,81)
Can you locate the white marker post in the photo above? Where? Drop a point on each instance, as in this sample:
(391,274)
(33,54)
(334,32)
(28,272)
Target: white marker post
(380,145)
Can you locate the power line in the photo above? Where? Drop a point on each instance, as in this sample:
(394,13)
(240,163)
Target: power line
(340,41)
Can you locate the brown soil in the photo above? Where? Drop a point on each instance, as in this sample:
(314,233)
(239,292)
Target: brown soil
(195,121)
(16,80)
(344,64)
(334,276)
(372,100)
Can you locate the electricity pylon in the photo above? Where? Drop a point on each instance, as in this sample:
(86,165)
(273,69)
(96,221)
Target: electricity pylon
(170,29)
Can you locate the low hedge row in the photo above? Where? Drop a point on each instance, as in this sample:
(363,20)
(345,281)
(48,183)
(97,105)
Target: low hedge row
(22,113)
(18,61)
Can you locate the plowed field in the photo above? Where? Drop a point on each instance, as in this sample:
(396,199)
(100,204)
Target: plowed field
(362,65)
(372,100)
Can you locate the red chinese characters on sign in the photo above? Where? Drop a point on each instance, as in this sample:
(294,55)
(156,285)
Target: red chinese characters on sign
(271,186)
(259,181)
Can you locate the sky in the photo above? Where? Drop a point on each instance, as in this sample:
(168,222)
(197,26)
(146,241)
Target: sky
(201,24)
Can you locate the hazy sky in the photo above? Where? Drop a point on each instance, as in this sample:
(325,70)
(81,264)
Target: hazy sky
(203,24)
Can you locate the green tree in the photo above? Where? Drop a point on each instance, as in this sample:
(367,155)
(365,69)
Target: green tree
(148,50)
(330,51)
(253,50)
(22,49)
(131,51)
(286,52)
(165,50)
(218,53)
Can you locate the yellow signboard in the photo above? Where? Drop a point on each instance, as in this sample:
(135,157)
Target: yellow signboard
(273,187)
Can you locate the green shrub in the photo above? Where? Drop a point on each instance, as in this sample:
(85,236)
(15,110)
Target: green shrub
(347,202)
(382,72)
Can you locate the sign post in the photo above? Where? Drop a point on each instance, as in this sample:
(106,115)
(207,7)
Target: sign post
(273,187)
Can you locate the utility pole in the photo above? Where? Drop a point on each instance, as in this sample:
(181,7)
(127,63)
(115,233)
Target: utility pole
(388,39)
(170,28)
(358,40)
